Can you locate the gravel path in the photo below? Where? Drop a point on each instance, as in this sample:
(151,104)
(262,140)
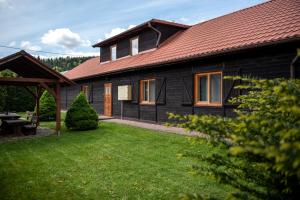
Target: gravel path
(157,127)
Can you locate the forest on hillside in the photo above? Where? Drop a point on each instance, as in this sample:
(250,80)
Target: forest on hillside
(62,64)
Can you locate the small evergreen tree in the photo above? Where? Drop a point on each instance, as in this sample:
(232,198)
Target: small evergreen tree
(261,156)
(47,107)
(80,115)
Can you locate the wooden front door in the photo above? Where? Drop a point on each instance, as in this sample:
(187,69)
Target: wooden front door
(107,100)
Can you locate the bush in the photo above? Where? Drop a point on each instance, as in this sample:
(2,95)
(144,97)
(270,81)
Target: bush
(14,98)
(81,116)
(261,156)
(47,107)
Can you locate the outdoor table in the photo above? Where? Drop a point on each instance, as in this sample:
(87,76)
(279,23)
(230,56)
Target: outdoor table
(15,124)
(4,116)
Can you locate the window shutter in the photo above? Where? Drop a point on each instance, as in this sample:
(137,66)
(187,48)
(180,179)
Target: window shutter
(228,85)
(91,93)
(187,96)
(135,91)
(160,91)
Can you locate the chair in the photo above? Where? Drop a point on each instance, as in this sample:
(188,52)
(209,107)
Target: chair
(29,115)
(30,129)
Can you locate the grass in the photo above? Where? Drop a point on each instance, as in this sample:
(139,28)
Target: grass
(112,162)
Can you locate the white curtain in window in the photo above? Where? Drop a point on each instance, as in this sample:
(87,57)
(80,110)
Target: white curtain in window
(215,88)
(152,91)
(203,88)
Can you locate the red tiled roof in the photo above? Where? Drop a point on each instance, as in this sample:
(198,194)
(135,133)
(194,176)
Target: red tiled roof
(273,21)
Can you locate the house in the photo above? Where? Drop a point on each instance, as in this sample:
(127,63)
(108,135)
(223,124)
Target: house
(173,67)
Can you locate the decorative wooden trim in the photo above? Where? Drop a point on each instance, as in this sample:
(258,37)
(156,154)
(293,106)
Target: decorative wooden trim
(196,88)
(142,101)
(136,37)
(50,90)
(112,46)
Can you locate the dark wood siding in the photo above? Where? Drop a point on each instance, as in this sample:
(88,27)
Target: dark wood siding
(261,62)
(147,40)
(123,48)
(166,31)
(105,54)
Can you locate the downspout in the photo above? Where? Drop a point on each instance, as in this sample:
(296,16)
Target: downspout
(157,31)
(292,68)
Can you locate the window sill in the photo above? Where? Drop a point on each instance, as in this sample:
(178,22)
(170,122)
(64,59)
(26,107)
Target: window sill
(147,104)
(208,105)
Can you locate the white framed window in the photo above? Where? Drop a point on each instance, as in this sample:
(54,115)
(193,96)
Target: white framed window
(113,52)
(147,91)
(208,89)
(134,45)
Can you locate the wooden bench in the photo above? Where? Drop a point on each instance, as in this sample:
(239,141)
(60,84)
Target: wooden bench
(30,129)
(14,126)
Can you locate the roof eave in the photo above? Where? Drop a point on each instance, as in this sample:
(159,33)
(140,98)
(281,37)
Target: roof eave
(138,28)
(194,57)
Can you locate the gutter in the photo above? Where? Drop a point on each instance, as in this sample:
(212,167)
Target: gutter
(157,31)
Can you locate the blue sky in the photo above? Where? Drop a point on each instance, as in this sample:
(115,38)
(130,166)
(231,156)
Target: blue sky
(72,26)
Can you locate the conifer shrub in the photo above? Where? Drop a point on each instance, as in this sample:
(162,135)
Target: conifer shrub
(47,107)
(80,115)
(261,145)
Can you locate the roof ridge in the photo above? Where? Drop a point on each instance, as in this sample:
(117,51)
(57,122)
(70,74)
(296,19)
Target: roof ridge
(234,12)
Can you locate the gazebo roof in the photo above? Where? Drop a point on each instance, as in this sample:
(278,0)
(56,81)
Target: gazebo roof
(31,71)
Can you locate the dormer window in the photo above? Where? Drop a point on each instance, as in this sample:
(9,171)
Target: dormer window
(113,52)
(134,44)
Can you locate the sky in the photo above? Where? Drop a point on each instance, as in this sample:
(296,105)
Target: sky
(71,27)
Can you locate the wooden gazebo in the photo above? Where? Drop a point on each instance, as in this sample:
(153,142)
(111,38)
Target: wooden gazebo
(33,73)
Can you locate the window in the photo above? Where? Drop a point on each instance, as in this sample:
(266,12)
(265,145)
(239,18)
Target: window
(85,90)
(113,52)
(147,91)
(107,90)
(134,43)
(208,89)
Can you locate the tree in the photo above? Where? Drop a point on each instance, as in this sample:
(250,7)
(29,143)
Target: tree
(3,96)
(14,98)
(81,116)
(47,107)
(261,156)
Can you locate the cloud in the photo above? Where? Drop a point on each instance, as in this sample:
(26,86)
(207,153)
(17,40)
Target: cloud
(64,37)
(184,20)
(3,3)
(13,43)
(116,31)
(29,46)
(189,21)
(6,4)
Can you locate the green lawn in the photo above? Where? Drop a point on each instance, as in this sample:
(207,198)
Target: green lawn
(112,162)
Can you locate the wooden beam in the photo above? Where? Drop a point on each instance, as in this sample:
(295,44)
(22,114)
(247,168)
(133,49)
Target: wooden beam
(38,96)
(31,92)
(24,81)
(50,90)
(58,110)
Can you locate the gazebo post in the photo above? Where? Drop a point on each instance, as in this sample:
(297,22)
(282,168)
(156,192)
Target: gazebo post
(38,96)
(58,114)
(38,75)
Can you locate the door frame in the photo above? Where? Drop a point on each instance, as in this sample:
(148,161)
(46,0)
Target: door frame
(109,84)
